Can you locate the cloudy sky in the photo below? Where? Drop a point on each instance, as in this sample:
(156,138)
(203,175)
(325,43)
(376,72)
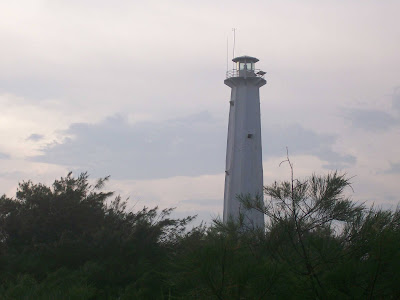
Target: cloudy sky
(134,89)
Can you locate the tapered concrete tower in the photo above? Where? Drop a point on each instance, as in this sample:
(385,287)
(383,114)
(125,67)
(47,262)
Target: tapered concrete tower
(244,171)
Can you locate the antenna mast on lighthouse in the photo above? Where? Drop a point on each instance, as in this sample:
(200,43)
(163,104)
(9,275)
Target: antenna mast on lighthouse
(234,45)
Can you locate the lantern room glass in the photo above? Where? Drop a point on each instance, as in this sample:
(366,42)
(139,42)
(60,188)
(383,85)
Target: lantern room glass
(243,65)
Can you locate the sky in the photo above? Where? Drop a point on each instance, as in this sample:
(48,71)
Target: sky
(134,90)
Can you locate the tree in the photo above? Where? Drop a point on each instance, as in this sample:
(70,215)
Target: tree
(72,240)
(75,225)
(306,224)
(372,268)
(223,262)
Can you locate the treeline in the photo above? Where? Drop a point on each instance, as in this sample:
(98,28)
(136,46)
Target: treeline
(73,241)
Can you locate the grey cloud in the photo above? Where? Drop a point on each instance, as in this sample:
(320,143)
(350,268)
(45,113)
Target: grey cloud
(145,150)
(348,160)
(32,87)
(387,205)
(203,202)
(4,156)
(12,175)
(390,198)
(373,120)
(394,169)
(181,147)
(376,120)
(396,98)
(35,137)
(206,216)
(303,141)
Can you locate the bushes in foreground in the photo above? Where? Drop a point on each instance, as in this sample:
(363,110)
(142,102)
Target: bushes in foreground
(73,241)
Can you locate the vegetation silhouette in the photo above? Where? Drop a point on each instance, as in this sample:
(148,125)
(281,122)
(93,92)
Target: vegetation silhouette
(72,240)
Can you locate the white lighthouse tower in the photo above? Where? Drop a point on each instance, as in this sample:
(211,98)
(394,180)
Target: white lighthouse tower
(244,171)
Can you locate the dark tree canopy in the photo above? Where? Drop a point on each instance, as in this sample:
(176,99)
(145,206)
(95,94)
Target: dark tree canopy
(72,240)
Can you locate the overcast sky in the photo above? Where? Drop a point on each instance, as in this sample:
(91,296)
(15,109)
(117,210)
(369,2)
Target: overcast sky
(134,89)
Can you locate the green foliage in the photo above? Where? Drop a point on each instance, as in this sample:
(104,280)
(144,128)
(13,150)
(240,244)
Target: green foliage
(224,263)
(71,236)
(73,241)
(334,247)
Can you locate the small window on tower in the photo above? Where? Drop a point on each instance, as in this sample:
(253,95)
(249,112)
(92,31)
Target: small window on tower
(250,135)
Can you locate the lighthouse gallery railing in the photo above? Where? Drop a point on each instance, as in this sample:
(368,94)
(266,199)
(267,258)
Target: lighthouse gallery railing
(243,73)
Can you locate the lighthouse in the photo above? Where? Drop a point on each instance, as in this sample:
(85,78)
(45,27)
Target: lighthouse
(244,171)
